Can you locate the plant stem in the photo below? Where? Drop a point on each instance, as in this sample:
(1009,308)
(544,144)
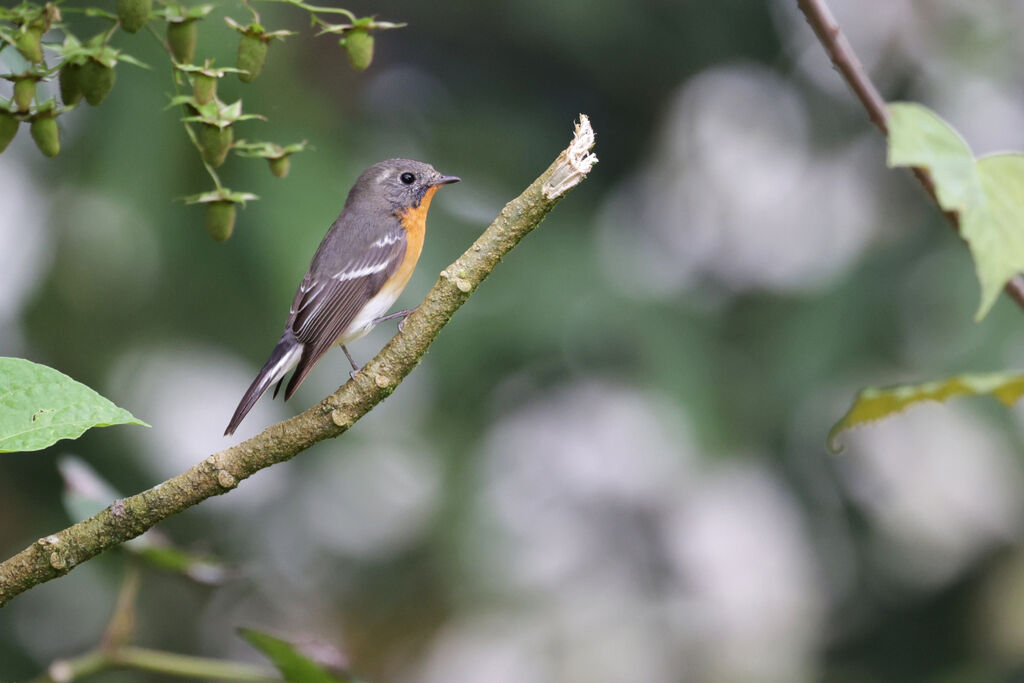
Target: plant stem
(155,661)
(312,10)
(255,14)
(190,667)
(65,670)
(121,626)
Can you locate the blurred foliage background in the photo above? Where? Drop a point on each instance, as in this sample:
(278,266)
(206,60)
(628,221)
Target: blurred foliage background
(611,465)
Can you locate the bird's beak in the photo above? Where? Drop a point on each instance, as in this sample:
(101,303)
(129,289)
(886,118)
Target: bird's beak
(447,180)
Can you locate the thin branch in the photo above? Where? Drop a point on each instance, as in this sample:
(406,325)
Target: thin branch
(125,519)
(839,50)
(155,661)
(114,651)
(121,626)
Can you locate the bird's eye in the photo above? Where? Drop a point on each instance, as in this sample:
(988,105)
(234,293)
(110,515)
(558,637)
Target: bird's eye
(407,178)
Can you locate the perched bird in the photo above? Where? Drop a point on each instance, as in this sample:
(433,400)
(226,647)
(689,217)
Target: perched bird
(362,265)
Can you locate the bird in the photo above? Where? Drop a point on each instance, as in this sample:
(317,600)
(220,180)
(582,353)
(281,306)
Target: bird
(363,263)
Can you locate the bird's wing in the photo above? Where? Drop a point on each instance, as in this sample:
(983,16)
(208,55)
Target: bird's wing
(334,291)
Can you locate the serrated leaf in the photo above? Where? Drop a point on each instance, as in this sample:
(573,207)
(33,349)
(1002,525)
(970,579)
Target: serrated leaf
(40,406)
(995,229)
(987,194)
(875,403)
(918,137)
(293,665)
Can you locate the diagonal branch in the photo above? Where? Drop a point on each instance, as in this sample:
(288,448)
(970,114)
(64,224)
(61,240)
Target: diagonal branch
(839,50)
(125,519)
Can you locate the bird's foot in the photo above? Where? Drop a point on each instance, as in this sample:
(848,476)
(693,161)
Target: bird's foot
(403,314)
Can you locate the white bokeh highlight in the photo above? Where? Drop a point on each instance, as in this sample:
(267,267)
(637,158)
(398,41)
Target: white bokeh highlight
(633,558)
(940,486)
(733,192)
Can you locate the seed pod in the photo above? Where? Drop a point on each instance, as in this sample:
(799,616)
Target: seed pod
(70,83)
(359,45)
(46,134)
(24,93)
(216,143)
(133,14)
(96,80)
(8,127)
(220,220)
(29,44)
(252,54)
(204,88)
(280,166)
(181,35)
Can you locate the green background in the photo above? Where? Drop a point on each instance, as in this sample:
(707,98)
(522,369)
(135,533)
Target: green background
(611,465)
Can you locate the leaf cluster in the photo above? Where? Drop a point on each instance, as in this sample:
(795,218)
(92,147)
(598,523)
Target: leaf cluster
(86,70)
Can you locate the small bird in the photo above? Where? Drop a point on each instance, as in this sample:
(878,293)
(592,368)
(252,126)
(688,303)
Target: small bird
(363,263)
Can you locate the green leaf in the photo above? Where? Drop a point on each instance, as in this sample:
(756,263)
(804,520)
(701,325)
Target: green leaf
(988,194)
(874,403)
(267,150)
(293,665)
(40,406)
(221,195)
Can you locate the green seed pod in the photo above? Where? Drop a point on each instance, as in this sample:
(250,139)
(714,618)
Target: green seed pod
(220,220)
(70,83)
(8,127)
(24,93)
(181,35)
(133,14)
(29,44)
(47,136)
(359,45)
(252,54)
(216,143)
(280,166)
(204,88)
(96,81)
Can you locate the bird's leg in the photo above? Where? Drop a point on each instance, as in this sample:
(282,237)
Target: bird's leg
(355,368)
(403,314)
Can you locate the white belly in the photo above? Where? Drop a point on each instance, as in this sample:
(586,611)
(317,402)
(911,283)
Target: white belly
(374,308)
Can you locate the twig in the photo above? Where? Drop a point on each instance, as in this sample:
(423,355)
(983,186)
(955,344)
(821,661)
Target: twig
(59,553)
(121,626)
(114,651)
(839,50)
(168,663)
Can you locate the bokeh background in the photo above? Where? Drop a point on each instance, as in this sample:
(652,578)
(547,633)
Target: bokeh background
(611,465)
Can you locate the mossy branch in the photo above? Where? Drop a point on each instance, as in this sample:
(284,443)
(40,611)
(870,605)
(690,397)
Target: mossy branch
(59,553)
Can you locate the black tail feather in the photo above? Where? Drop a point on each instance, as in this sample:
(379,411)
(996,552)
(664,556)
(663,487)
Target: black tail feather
(311,353)
(272,371)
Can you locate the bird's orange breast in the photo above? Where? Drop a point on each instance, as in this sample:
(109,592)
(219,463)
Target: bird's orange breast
(414,220)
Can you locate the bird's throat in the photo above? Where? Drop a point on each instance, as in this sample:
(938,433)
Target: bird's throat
(414,220)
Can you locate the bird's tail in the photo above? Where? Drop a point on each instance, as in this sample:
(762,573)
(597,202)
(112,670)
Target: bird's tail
(284,356)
